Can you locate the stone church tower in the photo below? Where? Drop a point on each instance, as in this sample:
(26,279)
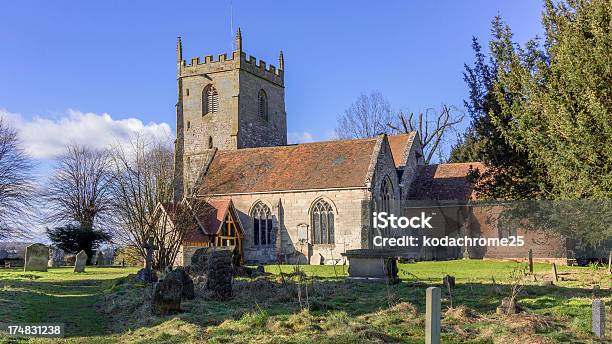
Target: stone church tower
(226,104)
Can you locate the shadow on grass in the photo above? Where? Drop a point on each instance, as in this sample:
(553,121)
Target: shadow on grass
(74,303)
(69,302)
(331,298)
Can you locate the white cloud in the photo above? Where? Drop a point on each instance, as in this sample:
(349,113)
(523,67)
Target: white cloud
(46,138)
(299,137)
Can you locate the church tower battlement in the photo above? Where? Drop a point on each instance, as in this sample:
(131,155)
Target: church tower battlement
(225,103)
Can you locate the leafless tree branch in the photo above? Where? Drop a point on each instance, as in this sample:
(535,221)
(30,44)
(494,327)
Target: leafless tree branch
(16,184)
(79,189)
(368,116)
(143,195)
(433,127)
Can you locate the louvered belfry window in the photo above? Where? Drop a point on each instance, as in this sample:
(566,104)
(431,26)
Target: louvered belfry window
(211,99)
(263,104)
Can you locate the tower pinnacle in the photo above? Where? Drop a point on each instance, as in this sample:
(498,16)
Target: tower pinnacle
(281,61)
(238,40)
(179,50)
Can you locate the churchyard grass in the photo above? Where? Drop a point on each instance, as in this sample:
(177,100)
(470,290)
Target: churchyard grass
(103,306)
(58,295)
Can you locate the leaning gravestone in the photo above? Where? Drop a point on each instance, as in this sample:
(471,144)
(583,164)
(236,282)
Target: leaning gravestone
(220,274)
(80,261)
(168,293)
(36,258)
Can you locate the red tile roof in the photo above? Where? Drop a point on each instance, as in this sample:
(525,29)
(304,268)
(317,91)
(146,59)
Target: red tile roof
(444,182)
(205,217)
(211,213)
(317,165)
(398,145)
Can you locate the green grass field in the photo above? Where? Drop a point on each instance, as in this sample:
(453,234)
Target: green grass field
(102,306)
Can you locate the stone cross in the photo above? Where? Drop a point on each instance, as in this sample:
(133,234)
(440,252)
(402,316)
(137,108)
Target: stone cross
(150,247)
(432,315)
(599,318)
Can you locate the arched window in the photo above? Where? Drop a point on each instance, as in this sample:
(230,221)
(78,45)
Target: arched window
(262,224)
(322,223)
(210,100)
(263,104)
(386,195)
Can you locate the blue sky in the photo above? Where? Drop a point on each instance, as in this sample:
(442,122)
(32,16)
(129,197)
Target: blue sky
(63,64)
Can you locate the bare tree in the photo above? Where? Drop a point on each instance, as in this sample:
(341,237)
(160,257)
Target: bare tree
(16,184)
(433,127)
(371,115)
(79,190)
(143,193)
(368,116)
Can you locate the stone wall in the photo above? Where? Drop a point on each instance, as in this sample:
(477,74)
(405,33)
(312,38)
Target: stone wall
(413,160)
(546,246)
(384,168)
(291,211)
(184,256)
(200,127)
(254,131)
(236,124)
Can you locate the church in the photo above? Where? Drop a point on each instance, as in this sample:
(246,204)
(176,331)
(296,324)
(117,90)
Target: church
(278,202)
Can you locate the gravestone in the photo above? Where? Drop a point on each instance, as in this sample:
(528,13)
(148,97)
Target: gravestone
(220,273)
(168,293)
(199,262)
(317,259)
(599,318)
(433,309)
(188,289)
(99,258)
(372,265)
(36,258)
(149,247)
(80,261)
(147,274)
